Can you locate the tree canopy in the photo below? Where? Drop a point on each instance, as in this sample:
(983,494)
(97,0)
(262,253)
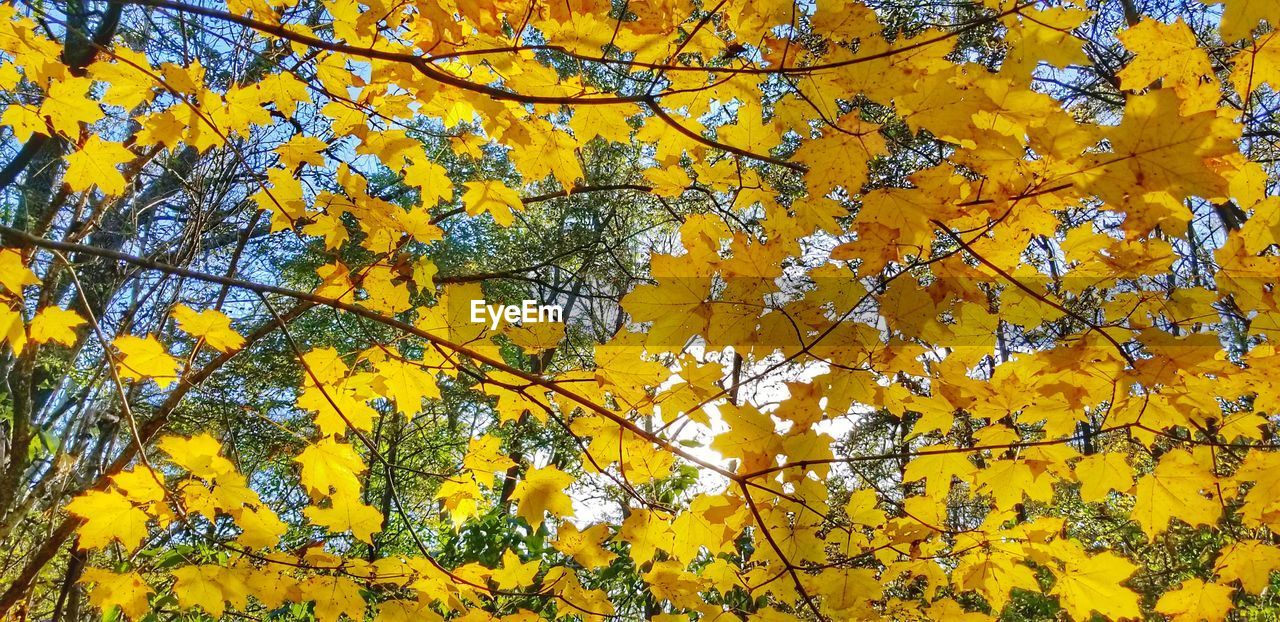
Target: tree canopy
(854,309)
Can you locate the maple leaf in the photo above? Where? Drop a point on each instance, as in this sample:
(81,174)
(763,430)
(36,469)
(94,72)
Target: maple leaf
(407,383)
(1162,50)
(843,21)
(542,490)
(336,406)
(11,328)
(938,470)
(1177,488)
(14,273)
(861,508)
(584,546)
(259,527)
(847,589)
(208,587)
(1257,65)
(1088,584)
(1196,600)
(840,159)
(346,513)
(334,597)
(161,128)
(431,179)
(129,86)
(1101,473)
(199,454)
(141,485)
(145,357)
(461,497)
(211,325)
(55,324)
(485,455)
(515,572)
(1156,147)
(535,337)
(1241,17)
(23,121)
(406,611)
(108,516)
(302,150)
(68,105)
(1251,562)
(994,576)
(493,197)
(126,590)
(330,467)
(285,91)
(750,432)
(95,164)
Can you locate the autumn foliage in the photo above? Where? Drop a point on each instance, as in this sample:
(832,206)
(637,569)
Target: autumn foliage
(871,310)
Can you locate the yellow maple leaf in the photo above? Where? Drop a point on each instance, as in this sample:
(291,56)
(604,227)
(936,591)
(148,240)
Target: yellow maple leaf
(330,468)
(1087,584)
(840,159)
(259,526)
(334,596)
(94,164)
(11,328)
(1179,487)
(485,455)
(347,513)
(1251,562)
(211,325)
(68,105)
(55,324)
(13,273)
(126,590)
(1241,17)
(407,383)
(142,486)
(993,574)
(160,128)
(208,587)
(861,508)
(846,589)
(23,121)
(431,179)
(493,197)
(461,497)
(1257,65)
(1195,601)
(125,73)
(1162,50)
(584,546)
(284,90)
(406,611)
(535,337)
(108,516)
(302,150)
(145,357)
(1101,473)
(543,490)
(514,571)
